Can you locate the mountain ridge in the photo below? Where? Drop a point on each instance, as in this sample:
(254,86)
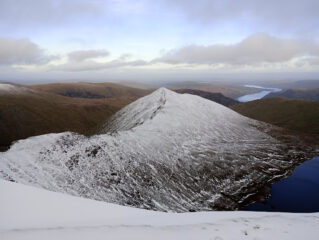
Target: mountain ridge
(165,151)
(26,112)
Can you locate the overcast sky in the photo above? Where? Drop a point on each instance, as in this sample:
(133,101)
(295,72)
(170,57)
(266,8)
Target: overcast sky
(164,39)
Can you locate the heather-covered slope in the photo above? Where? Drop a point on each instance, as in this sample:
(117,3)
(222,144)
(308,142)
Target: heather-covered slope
(309,94)
(25,112)
(293,114)
(91,90)
(165,151)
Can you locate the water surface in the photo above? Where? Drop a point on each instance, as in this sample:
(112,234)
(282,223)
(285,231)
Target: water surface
(250,97)
(297,193)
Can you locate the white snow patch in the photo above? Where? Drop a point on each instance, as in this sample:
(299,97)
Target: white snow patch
(32,213)
(6,88)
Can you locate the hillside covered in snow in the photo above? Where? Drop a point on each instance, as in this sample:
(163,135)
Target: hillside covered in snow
(31,213)
(8,89)
(165,151)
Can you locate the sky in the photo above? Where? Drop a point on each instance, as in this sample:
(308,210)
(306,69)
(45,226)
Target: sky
(145,40)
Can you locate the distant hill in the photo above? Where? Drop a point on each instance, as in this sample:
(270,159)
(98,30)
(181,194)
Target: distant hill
(26,112)
(310,94)
(294,114)
(135,84)
(216,97)
(288,84)
(302,84)
(229,90)
(90,90)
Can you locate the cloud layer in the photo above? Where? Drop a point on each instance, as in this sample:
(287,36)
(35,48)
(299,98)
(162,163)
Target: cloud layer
(252,51)
(97,66)
(82,55)
(21,51)
(285,15)
(255,49)
(28,13)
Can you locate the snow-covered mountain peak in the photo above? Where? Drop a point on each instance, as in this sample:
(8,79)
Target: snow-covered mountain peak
(166,111)
(138,112)
(161,90)
(165,151)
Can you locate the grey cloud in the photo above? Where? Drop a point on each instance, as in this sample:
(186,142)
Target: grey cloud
(83,55)
(281,15)
(125,56)
(95,66)
(21,51)
(293,15)
(312,61)
(43,12)
(255,49)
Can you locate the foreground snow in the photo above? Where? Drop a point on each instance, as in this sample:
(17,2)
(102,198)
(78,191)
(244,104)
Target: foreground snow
(32,213)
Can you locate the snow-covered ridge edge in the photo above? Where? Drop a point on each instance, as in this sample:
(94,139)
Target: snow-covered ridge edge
(143,109)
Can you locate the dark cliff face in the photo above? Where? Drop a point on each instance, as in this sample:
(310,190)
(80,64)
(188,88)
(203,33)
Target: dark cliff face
(216,97)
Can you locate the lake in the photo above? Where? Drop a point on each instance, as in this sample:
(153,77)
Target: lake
(254,96)
(297,193)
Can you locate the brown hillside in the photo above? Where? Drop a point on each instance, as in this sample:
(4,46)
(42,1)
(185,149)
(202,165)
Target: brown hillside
(29,113)
(90,90)
(293,114)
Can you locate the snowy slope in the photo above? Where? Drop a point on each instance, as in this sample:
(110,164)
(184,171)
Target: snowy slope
(6,88)
(165,110)
(165,151)
(31,213)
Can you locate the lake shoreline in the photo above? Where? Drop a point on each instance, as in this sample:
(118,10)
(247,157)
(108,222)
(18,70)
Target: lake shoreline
(258,95)
(302,179)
